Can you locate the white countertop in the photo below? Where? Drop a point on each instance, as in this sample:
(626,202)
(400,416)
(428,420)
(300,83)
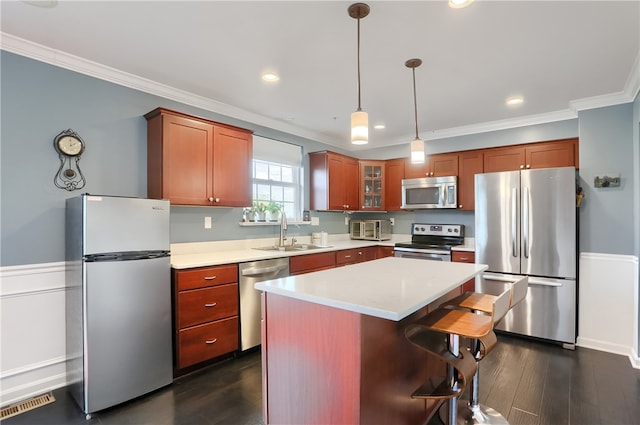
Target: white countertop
(390,288)
(202,254)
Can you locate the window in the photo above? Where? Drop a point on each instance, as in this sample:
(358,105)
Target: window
(277,174)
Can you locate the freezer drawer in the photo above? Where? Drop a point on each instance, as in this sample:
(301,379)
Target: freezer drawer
(548,311)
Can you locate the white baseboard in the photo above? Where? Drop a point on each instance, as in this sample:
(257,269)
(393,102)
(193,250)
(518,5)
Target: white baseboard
(32,380)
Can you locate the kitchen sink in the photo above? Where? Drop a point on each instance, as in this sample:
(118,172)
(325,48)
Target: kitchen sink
(296,247)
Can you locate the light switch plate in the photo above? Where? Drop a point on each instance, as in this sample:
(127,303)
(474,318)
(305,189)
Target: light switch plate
(207,222)
(315,221)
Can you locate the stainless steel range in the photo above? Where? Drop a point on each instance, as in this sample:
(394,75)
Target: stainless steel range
(431,241)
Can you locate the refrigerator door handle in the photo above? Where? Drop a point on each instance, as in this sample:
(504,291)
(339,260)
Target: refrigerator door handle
(545,282)
(525,221)
(514,230)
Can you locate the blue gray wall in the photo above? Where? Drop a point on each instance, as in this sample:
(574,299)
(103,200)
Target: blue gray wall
(39,100)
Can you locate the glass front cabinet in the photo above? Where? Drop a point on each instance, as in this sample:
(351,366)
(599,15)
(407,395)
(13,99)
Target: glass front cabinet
(372,185)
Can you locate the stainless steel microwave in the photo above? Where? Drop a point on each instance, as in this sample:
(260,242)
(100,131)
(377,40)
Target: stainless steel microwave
(430,192)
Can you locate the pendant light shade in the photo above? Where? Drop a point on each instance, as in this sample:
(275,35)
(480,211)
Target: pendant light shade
(359,119)
(417,151)
(359,128)
(417,145)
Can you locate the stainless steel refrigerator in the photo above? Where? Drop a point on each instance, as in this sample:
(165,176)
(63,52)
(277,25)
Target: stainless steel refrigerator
(525,224)
(118,301)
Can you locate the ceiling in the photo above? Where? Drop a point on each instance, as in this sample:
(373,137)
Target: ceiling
(560,56)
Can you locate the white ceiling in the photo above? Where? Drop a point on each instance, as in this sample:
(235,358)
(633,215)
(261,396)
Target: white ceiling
(561,56)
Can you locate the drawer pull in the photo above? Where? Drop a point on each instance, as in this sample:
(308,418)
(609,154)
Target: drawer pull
(347,256)
(211,341)
(210,277)
(211,304)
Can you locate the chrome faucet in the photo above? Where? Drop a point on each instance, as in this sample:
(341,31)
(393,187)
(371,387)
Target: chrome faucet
(283,229)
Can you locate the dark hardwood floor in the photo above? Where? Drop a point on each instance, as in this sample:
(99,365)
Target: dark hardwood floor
(529,382)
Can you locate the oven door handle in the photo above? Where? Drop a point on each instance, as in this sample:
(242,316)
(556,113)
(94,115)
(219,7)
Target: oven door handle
(422,251)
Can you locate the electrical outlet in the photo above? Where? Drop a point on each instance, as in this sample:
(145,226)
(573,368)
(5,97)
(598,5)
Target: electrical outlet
(393,221)
(346,221)
(207,222)
(315,221)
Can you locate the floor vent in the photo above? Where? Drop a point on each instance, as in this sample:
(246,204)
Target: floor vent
(26,405)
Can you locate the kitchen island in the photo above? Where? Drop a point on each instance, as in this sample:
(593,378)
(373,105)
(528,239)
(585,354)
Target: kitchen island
(333,345)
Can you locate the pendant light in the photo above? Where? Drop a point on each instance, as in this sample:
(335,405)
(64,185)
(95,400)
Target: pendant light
(359,118)
(417,145)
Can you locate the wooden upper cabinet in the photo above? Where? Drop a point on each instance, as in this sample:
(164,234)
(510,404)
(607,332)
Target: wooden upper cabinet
(232,154)
(333,180)
(372,185)
(438,165)
(470,164)
(503,159)
(557,153)
(192,161)
(394,169)
(552,154)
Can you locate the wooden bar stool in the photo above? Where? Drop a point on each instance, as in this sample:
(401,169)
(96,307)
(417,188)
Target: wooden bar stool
(439,333)
(473,412)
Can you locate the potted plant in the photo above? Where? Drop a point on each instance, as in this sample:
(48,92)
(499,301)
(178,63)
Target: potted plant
(274,208)
(260,210)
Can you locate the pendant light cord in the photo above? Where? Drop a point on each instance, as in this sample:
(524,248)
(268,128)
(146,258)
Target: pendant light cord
(359,108)
(415,101)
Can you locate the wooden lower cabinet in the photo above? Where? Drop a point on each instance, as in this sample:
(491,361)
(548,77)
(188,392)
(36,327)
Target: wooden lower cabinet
(207,341)
(383,251)
(311,262)
(355,255)
(206,313)
(465,257)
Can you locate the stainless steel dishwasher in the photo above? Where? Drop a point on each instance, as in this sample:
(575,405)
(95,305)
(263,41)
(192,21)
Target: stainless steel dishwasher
(250,274)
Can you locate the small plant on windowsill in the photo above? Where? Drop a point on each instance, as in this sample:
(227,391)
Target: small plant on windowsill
(274,208)
(260,210)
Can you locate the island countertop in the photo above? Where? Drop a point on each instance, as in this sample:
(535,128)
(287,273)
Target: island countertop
(389,288)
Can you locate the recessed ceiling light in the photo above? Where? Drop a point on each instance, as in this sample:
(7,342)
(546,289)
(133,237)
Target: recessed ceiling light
(379,126)
(270,77)
(515,101)
(459,4)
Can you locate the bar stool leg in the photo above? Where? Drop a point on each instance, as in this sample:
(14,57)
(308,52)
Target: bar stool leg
(454,348)
(473,412)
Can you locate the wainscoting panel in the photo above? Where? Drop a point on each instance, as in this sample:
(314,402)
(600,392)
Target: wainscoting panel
(608,304)
(32,306)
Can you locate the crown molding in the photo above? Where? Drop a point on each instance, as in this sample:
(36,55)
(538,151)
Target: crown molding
(65,60)
(71,62)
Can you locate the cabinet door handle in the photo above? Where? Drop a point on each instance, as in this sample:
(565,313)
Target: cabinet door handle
(210,277)
(211,341)
(528,166)
(522,167)
(212,199)
(211,304)
(460,206)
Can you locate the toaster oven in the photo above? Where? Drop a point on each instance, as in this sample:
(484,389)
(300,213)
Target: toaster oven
(370,230)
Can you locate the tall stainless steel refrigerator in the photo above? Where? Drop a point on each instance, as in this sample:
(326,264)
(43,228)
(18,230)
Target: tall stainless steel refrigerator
(118,302)
(525,224)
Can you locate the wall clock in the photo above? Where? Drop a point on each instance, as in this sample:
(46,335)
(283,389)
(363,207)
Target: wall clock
(70,148)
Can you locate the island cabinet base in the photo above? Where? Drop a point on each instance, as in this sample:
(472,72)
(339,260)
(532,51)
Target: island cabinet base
(324,365)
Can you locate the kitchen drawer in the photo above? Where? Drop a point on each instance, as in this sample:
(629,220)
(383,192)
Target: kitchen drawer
(206,276)
(208,304)
(311,262)
(355,255)
(463,257)
(203,342)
